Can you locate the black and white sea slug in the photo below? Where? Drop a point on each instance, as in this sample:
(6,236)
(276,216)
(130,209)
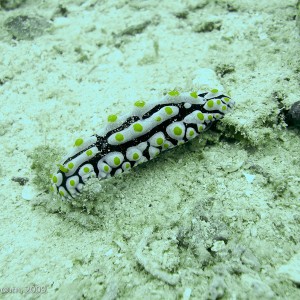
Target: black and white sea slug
(138,137)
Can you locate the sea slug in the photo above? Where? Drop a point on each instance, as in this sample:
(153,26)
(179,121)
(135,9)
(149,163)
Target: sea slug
(139,136)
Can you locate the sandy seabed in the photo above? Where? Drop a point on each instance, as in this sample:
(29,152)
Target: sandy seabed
(217,218)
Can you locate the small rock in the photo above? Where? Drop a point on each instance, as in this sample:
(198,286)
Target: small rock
(217,288)
(207,26)
(206,79)
(181,14)
(20,180)
(11,4)
(292,269)
(196,4)
(136,28)
(28,193)
(26,28)
(249,259)
(223,69)
(293,115)
(249,177)
(218,246)
(187,294)
(256,288)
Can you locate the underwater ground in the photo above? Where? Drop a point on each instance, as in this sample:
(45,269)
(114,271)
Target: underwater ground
(217,218)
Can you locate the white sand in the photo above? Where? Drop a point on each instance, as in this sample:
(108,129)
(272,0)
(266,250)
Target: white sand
(204,221)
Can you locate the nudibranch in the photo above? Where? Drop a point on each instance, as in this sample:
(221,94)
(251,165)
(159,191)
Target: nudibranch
(138,136)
